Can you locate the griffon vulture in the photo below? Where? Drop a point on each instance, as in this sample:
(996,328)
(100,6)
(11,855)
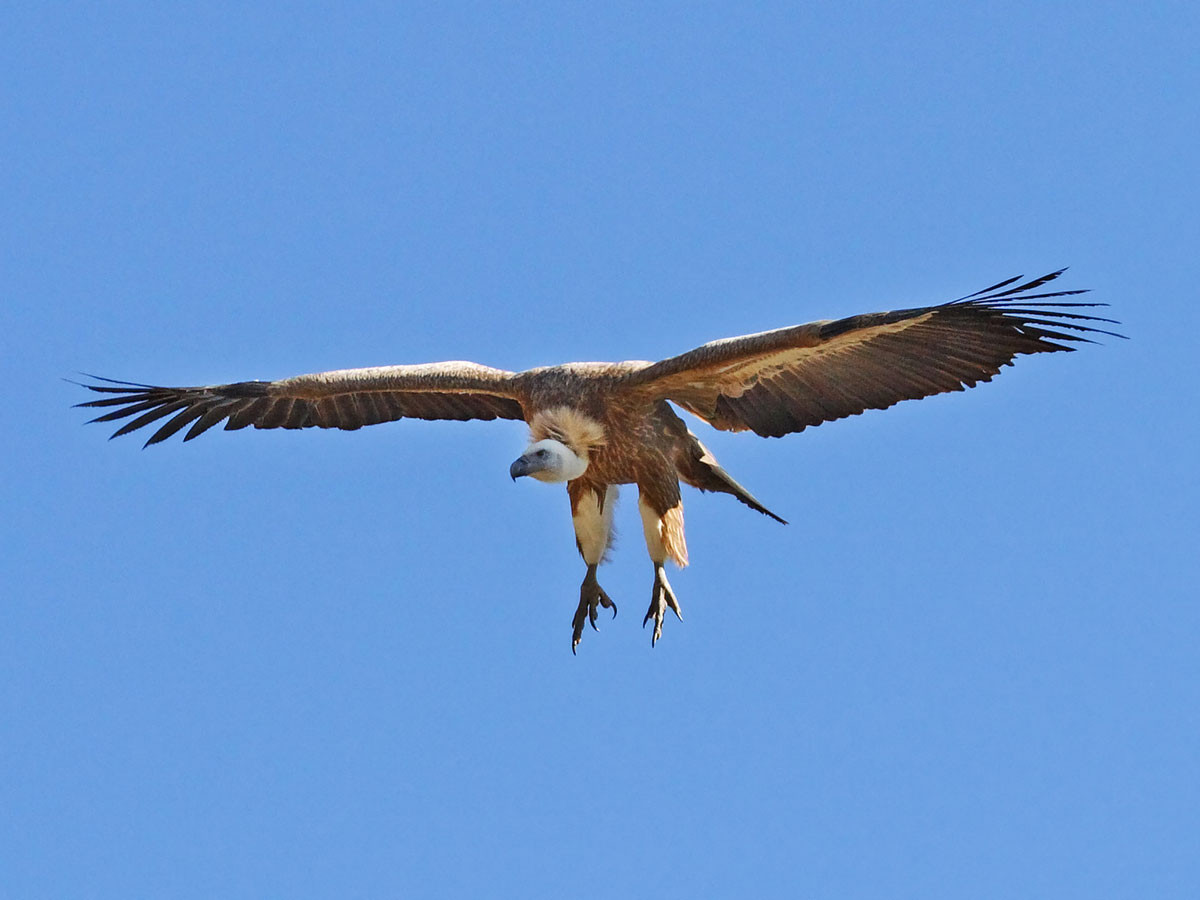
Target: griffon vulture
(595,426)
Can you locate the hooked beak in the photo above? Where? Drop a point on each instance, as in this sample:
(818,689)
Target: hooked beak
(521,466)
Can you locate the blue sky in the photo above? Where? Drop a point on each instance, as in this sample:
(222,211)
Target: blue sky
(317,664)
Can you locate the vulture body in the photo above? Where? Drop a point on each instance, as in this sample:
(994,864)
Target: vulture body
(595,426)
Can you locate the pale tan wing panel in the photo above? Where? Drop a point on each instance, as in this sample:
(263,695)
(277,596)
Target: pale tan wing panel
(346,399)
(457,376)
(780,382)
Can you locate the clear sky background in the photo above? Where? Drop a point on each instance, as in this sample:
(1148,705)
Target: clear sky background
(329,664)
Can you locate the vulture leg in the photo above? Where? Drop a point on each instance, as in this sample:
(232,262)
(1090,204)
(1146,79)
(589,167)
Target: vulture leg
(662,598)
(591,513)
(664,539)
(591,596)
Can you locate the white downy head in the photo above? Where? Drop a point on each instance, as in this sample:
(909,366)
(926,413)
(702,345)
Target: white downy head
(550,461)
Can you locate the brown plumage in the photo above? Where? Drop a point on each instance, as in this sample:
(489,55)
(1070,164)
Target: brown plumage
(599,425)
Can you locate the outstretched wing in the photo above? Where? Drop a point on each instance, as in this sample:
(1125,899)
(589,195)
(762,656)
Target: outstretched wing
(347,399)
(783,381)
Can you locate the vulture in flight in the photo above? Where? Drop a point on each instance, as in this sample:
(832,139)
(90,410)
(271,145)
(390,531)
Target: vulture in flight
(595,426)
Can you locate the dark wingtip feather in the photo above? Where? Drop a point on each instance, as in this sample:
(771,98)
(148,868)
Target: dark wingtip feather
(122,385)
(175,423)
(1029,310)
(131,398)
(1003,289)
(1037,282)
(994,287)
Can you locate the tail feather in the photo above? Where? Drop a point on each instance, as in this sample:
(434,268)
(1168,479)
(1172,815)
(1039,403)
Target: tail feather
(730,486)
(697,466)
(700,469)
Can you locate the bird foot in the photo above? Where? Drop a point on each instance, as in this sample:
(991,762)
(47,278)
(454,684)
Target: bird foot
(662,598)
(591,597)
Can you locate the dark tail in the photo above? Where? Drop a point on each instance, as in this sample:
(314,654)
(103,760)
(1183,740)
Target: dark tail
(700,469)
(727,485)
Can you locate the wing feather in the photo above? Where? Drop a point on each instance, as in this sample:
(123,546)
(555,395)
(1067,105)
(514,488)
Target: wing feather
(152,416)
(130,410)
(783,381)
(346,399)
(248,413)
(176,423)
(213,413)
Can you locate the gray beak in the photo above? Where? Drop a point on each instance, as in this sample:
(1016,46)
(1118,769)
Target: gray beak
(521,466)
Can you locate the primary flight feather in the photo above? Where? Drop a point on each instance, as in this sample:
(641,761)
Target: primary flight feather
(599,425)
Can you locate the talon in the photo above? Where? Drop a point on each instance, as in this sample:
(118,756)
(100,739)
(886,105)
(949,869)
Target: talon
(591,598)
(673,603)
(662,599)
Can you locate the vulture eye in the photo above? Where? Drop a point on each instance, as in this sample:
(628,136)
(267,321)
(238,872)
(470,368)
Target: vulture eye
(541,454)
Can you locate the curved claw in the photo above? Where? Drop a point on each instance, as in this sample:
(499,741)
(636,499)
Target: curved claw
(662,599)
(591,598)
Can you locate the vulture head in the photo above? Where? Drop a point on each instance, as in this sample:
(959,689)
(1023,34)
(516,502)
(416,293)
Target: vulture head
(550,461)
